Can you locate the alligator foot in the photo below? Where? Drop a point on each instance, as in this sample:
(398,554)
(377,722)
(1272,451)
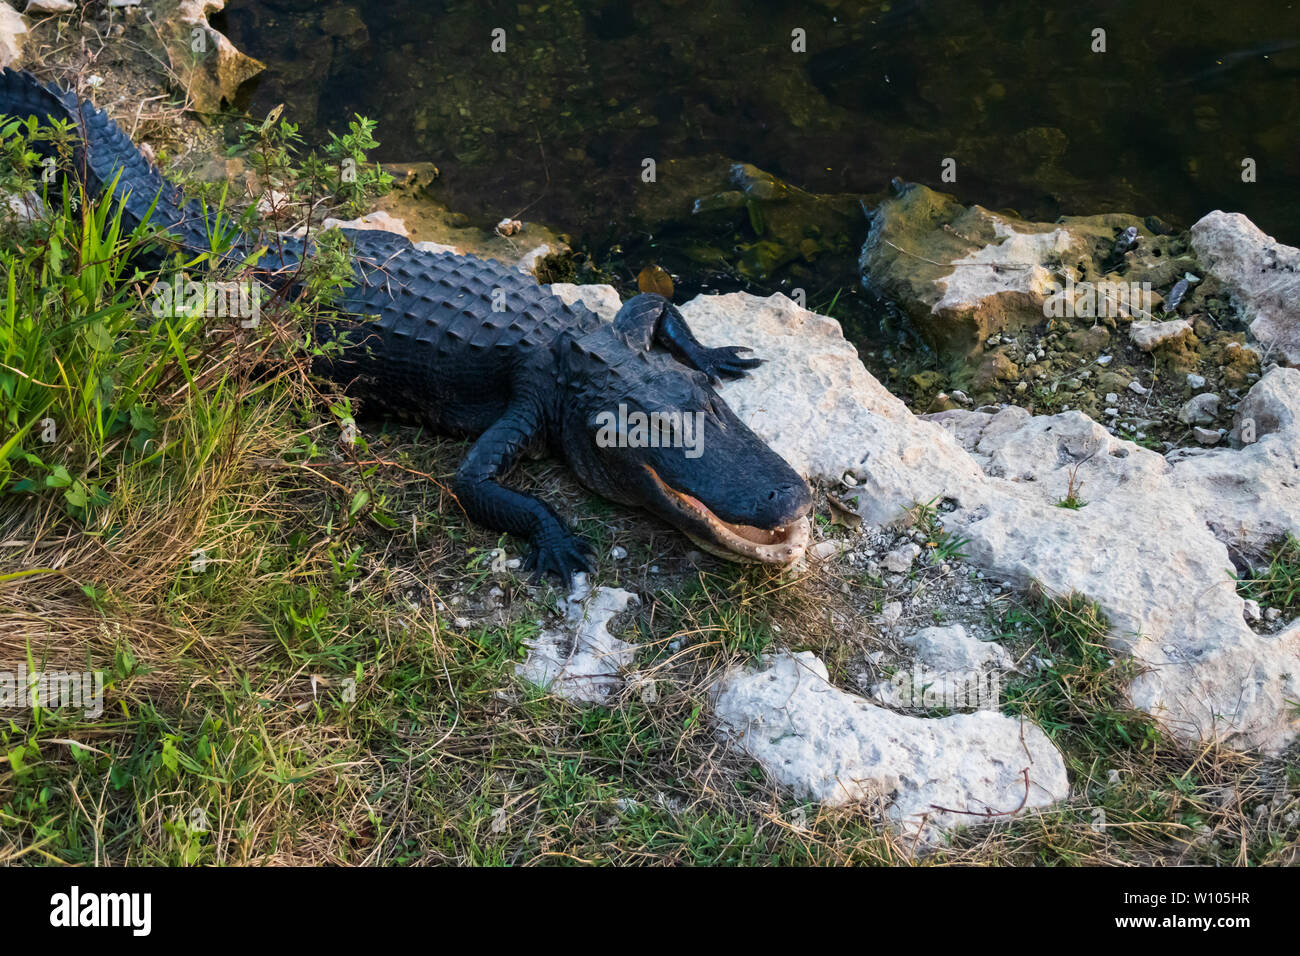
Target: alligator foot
(560,553)
(724,362)
(649,318)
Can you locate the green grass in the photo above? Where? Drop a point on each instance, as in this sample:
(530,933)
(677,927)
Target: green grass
(945,545)
(1278,585)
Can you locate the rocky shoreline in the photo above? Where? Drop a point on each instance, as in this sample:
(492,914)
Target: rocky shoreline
(1153,546)
(1106,408)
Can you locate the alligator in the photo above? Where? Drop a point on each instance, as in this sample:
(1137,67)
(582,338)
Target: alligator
(475,348)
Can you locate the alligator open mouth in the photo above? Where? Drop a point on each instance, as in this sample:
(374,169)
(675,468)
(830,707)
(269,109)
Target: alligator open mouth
(736,542)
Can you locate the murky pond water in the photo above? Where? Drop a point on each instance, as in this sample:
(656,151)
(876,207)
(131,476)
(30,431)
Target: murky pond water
(558,126)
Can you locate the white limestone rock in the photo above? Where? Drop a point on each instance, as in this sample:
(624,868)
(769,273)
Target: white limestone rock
(428,245)
(1149,544)
(1149,335)
(899,561)
(212,67)
(951,650)
(1200,410)
(928,775)
(1012,265)
(1261,274)
(818,407)
(582,660)
(377,220)
(50,6)
(966,276)
(891,613)
(1249,495)
(601,299)
(13,31)
(949,669)
(529,261)
(27,207)
(1145,555)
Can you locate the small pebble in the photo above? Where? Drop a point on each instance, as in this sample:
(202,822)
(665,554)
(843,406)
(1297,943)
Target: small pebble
(826,549)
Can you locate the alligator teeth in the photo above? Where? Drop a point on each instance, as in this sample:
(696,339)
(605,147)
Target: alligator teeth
(736,542)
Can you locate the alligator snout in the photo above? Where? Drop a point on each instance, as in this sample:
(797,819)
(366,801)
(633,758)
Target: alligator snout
(780,503)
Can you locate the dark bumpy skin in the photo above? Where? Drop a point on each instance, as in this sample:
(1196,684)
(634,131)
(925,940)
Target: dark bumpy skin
(473,347)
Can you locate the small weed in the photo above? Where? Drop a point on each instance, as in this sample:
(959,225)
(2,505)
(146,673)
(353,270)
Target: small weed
(1072,500)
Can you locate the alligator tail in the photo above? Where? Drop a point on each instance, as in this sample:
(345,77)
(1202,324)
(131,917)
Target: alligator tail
(22,95)
(105,158)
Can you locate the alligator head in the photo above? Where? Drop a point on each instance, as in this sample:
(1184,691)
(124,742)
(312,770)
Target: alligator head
(642,429)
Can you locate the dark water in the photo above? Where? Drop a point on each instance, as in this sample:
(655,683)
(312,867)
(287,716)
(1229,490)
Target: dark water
(561,122)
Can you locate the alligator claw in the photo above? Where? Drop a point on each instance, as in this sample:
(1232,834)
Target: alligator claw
(563,557)
(725,362)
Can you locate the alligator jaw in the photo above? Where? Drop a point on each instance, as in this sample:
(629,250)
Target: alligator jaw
(735,542)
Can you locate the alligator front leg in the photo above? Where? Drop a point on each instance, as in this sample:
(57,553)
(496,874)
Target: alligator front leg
(555,549)
(649,318)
